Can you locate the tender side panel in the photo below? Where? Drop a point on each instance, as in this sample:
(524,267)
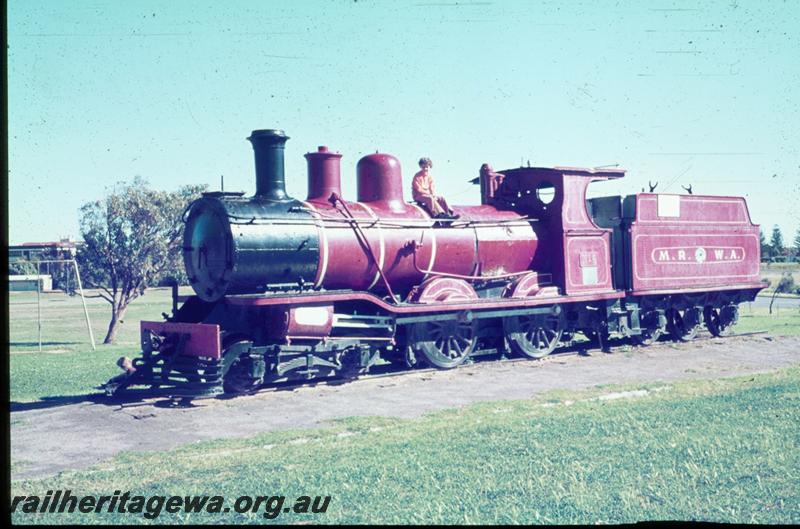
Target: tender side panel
(682,241)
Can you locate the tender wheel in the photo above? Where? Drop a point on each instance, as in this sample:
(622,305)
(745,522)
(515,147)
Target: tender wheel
(682,324)
(720,321)
(534,336)
(652,329)
(443,344)
(648,336)
(598,337)
(239,378)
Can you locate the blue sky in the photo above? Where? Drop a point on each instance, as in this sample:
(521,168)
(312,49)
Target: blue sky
(679,92)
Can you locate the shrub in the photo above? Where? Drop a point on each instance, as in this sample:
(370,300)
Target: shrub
(22,268)
(786,284)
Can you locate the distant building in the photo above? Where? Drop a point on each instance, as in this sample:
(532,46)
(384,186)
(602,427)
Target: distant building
(35,251)
(28,283)
(22,259)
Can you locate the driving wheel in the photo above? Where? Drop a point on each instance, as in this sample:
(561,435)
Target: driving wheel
(535,335)
(443,344)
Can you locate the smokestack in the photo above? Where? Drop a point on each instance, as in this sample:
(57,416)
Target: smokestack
(268,145)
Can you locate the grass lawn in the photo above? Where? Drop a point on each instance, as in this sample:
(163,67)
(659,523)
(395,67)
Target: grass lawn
(782,322)
(68,366)
(64,325)
(724,450)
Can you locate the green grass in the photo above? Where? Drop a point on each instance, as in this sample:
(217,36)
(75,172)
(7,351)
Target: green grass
(64,324)
(723,450)
(68,367)
(782,322)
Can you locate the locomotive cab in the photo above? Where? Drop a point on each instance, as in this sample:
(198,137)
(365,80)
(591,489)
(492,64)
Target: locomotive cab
(579,252)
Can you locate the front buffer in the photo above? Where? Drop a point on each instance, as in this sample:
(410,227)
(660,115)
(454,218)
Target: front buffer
(178,359)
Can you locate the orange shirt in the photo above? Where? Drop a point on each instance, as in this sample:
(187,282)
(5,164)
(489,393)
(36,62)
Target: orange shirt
(422,185)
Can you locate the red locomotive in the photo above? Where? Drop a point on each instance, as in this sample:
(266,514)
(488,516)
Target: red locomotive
(291,289)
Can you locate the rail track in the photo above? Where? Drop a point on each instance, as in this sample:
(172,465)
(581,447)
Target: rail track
(134,397)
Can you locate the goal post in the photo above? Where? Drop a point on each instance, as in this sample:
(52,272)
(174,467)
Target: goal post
(74,266)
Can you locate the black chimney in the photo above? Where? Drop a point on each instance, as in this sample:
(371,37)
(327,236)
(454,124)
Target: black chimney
(268,147)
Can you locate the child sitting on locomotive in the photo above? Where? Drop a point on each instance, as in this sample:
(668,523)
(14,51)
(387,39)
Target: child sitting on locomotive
(424,192)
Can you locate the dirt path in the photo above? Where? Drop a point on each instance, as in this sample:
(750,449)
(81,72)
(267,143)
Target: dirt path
(47,441)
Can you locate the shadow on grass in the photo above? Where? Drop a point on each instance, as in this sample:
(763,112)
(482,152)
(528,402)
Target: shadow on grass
(131,397)
(52,402)
(36,344)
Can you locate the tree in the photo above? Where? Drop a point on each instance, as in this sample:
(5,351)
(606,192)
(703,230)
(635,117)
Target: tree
(786,284)
(766,251)
(22,267)
(776,241)
(174,271)
(797,243)
(131,238)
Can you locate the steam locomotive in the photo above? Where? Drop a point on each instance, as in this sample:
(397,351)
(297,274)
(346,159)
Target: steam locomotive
(290,289)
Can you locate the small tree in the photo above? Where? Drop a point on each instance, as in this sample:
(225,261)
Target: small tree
(786,284)
(797,243)
(131,237)
(766,251)
(776,241)
(174,271)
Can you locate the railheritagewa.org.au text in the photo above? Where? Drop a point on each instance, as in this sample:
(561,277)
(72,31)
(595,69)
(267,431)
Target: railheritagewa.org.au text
(151,507)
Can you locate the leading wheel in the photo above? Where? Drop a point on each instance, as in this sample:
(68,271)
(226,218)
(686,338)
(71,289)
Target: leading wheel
(443,344)
(720,321)
(682,324)
(239,376)
(535,335)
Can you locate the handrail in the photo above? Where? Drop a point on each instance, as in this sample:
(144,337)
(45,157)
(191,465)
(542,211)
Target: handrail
(383,223)
(336,198)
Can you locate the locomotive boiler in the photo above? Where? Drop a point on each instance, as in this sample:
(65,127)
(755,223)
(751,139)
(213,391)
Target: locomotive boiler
(290,289)
(236,245)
